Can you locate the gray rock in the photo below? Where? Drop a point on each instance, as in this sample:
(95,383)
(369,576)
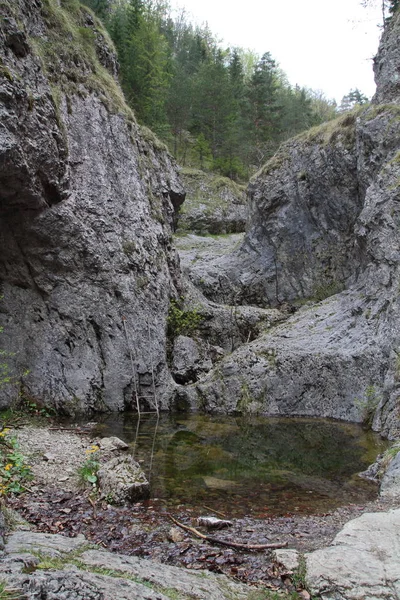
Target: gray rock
(113,444)
(127,577)
(390,485)
(197,585)
(46,543)
(386,64)
(73,584)
(122,480)
(362,563)
(189,360)
(213,204)
(289,559)
(336,358)
(87,209)
(49,457)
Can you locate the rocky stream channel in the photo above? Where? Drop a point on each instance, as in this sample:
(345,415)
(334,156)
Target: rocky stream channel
(268,305)
(56,503)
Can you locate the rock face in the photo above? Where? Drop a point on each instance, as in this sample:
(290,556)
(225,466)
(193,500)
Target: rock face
(86,213)
(214,204)
(386,64)
(84,574)
(390,485)
(362,563)
(323,235)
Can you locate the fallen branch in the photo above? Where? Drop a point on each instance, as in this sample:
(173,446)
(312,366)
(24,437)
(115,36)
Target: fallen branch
(236,545)
(217,512)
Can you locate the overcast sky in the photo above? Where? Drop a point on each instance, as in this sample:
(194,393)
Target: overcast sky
(321,44)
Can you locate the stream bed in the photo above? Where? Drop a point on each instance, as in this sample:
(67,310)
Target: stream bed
(249,466)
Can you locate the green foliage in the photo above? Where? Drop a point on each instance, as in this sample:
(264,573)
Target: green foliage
(87,472)
(352,99)
(14,471)
(181,321)
(221,109)
(70,48)
(299,575)
(28,405)
(8,593)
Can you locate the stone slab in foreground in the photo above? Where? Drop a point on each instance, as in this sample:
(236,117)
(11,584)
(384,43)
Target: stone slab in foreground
(60,568)
(363,562)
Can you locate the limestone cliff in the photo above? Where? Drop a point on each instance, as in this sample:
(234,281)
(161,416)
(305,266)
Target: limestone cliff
(87,204)
(213,204)
(324,237)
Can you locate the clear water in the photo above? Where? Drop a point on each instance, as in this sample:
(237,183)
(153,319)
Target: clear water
(250,465)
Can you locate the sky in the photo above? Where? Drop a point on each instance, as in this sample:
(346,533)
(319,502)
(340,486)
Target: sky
(320,44)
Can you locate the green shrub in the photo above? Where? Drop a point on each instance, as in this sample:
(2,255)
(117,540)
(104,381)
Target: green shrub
(181,321)
(14,471)
(87,472)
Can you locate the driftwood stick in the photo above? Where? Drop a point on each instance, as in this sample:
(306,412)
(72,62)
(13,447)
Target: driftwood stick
(235,545)
(238,546)
(187,528)
(217,512)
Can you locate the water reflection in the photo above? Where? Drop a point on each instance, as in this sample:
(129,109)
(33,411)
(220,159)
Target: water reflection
(250,465)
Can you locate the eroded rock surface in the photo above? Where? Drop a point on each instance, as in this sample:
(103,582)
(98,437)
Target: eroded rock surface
(323,238)
(390,485)
(213,204)
(91,574)
(86,214)
(362,563)
(122,480)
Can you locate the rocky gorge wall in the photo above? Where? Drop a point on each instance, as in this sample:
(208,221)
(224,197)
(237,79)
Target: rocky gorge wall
(87,204)
(323,238)
(87,270)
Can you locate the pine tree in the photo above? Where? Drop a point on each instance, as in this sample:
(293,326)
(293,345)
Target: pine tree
(265,111)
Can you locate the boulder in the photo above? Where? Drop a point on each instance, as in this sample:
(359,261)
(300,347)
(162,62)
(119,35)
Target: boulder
(390,486)
(113,444)
(121,480)
(362,563)
(289,559)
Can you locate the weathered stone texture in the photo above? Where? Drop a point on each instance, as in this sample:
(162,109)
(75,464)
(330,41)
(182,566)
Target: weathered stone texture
(323,238)
(87,210)
(102,575)
(214,204)
(362,563)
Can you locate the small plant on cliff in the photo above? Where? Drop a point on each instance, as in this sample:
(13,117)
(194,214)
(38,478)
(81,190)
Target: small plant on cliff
(87,473)
(7,593)
(181,321)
